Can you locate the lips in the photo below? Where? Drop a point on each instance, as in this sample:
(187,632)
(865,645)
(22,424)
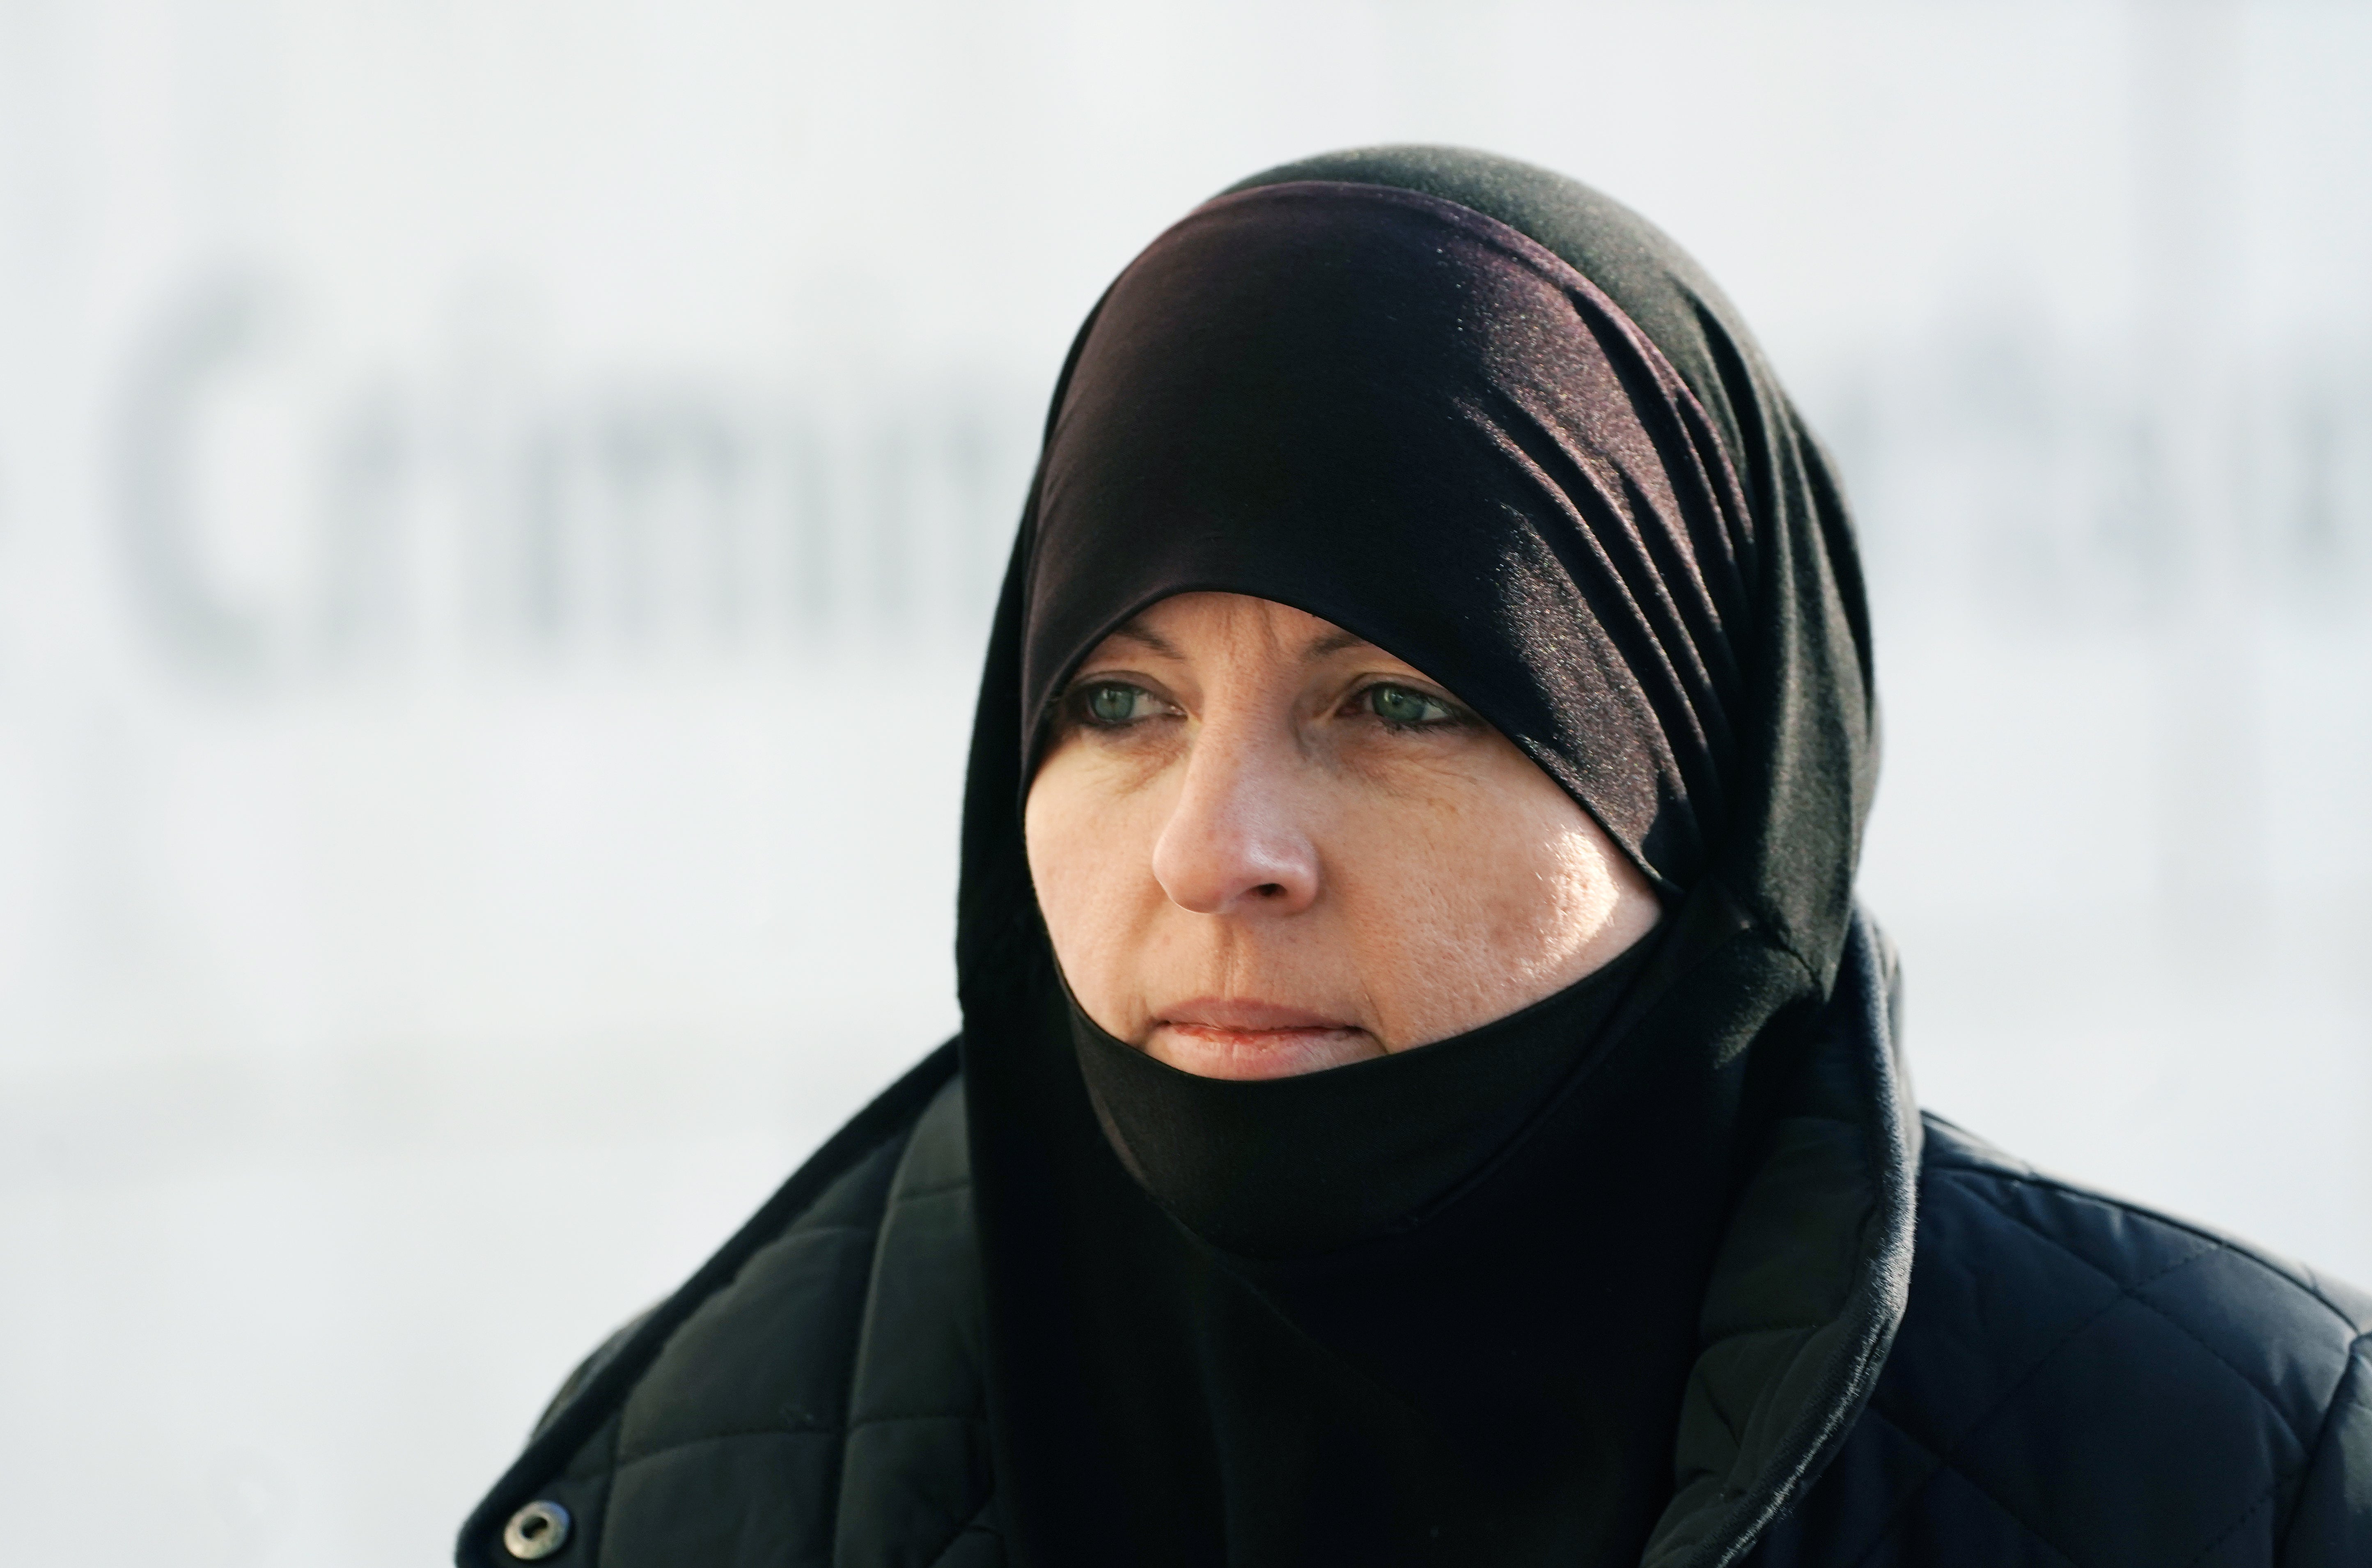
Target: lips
(1247,1014)
(1235,1037)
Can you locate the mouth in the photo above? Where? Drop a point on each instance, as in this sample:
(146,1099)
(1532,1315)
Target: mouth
(1233,1037)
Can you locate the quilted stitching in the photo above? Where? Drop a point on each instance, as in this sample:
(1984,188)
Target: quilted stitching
(912,1466)
(2133,1292)
(631,1460)
(2187,1283)
(2247,1514)
(2000,1372)
(979,1526)
(2017,1384)
(1942,1463)
(1953,1457)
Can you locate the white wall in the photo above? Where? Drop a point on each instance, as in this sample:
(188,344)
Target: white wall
(497,508)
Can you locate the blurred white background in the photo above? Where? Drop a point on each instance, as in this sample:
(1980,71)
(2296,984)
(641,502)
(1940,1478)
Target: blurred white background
(498,505)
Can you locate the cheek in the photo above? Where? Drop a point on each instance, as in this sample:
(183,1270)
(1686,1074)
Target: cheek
(1469,905)
(1090,851)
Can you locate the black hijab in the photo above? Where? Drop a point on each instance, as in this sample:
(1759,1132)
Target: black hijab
(1495,423)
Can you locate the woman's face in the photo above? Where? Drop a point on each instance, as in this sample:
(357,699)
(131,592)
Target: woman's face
(1264,847)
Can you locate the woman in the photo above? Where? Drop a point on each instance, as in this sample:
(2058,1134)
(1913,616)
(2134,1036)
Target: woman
(1424,1092)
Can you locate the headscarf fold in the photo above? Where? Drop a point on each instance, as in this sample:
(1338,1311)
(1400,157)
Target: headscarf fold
(1433,432)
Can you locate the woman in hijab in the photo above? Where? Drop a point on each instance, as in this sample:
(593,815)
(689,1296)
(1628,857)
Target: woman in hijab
(1425,1094)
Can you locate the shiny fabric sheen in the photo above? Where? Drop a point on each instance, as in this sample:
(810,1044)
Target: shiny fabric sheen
(1398,414)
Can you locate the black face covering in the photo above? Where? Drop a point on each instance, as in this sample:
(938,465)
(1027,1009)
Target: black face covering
(1300,1166)
(1439,1306)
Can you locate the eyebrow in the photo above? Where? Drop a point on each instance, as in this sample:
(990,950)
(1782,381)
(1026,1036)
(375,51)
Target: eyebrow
(1334,643)
(1130,631)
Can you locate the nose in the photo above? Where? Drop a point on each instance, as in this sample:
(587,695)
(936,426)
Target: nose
(1237,842)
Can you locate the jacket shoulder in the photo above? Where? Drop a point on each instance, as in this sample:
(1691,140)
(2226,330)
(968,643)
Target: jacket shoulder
(813,1396)
(2007,1201)
(2081,1379)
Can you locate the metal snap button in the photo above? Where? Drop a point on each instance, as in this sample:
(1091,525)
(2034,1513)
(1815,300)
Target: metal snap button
(536,1531)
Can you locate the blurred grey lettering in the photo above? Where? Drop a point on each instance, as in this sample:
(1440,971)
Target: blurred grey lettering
(480,505)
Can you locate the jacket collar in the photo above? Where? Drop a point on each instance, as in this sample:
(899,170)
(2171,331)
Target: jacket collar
(1811,1281)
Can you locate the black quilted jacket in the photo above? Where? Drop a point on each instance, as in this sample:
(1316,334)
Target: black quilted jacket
(2072,1381)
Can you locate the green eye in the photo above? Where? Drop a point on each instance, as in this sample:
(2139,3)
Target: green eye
(1109,705)
(1399,705)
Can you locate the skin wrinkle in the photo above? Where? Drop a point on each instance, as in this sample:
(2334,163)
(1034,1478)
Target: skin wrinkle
(1264,838)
